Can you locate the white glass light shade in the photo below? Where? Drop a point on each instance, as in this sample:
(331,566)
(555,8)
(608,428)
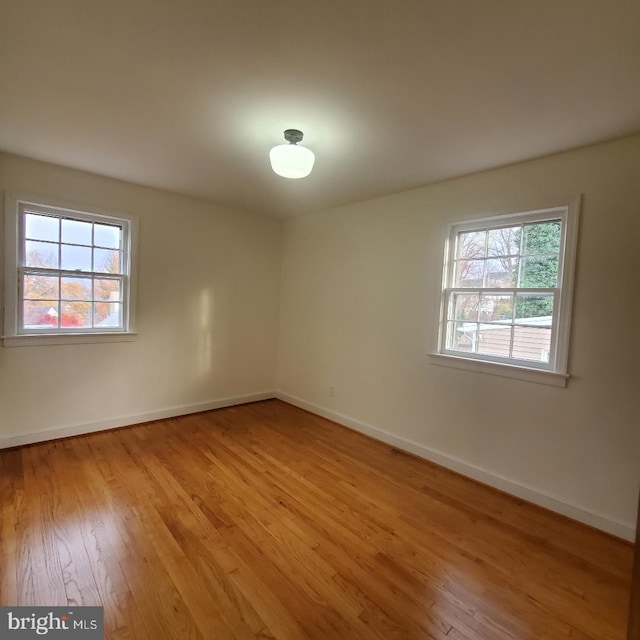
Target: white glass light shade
(291,161)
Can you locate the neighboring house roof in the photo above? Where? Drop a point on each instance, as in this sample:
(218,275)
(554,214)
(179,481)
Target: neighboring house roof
(112,320)
(470,327)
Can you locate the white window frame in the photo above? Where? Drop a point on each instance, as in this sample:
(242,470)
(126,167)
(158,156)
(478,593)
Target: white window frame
(555,372)
(14,334)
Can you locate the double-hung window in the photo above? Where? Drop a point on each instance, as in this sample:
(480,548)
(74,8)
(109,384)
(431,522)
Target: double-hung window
(506,297)
(68,272)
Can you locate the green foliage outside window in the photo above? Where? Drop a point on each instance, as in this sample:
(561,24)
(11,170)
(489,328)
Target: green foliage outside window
(539,267)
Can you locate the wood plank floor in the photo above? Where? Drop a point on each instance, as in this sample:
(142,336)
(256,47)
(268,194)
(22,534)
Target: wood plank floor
(264,521)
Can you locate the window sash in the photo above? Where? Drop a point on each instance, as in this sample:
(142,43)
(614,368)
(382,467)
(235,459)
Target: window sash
(450,319)
(122,280)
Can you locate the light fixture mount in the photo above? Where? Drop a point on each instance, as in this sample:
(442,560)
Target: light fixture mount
(293,136)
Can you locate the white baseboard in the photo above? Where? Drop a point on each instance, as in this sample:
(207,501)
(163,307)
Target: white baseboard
(19,439)
(624,530)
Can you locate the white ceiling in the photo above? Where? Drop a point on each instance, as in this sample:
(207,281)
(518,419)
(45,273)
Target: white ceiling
(189,95)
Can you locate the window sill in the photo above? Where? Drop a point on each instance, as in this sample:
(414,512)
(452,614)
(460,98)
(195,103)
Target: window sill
(49,339)
(504,370)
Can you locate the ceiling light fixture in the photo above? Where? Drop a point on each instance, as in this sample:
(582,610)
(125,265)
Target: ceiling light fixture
(290,160)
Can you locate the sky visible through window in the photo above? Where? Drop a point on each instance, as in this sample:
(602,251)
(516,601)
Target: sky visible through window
(43,234)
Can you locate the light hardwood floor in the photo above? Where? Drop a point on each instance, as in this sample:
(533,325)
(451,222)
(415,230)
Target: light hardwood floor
(264,521)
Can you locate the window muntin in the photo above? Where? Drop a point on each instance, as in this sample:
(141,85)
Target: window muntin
(73,272)
(506,296)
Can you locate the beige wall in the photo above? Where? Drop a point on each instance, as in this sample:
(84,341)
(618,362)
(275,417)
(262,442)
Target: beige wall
(208,282)
(359,306)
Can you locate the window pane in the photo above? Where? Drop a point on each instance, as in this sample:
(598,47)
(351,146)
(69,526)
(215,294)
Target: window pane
(469,273)
(539,272)
(108,314)
(495,340)
(39,227)
(534,309)
(504,242)
(107,236)
(76,231)
(496,308)
(76,289)
(466,306)
(106,261)
(40,314)
(75,314)
(107,289)
(76,258)
(41,254)
(471,244)
(40,287)
(542,237)
(502,272)
(532,343)
(463,336)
